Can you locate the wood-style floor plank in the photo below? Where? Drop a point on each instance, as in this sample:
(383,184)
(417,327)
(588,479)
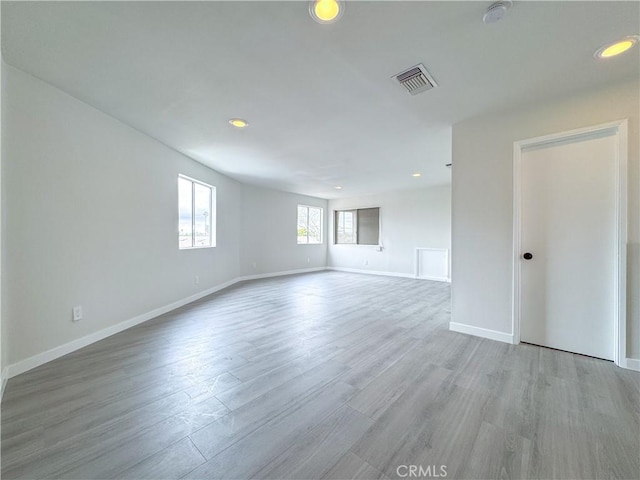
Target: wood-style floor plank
(171,463)
(245,458)
(352,467)
(326,375)
(321,449)
(229,429)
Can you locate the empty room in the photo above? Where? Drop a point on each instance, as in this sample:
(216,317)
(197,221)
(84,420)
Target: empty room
(320,239)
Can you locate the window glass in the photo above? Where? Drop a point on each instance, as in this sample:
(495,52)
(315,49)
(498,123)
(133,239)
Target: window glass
(357,226)
(196,214)
(309,225)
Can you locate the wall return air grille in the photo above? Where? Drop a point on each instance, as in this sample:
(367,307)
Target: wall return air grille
(416,80)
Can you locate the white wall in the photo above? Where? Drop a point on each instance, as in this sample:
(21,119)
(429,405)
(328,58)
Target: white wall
(90,218)
(409,219)
(482,199)
(269,233)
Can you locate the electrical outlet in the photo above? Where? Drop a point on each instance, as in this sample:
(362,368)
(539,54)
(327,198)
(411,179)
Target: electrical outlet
(77,313)
(196,280)
(366,262)
(308,259)
(255,265)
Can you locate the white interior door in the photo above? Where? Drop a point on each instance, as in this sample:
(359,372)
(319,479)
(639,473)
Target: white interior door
(568,225)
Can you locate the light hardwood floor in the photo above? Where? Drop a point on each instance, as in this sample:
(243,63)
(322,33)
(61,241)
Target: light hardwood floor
(324,375)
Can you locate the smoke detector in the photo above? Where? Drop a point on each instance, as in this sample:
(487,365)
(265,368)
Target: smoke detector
(416,80)
(496,11)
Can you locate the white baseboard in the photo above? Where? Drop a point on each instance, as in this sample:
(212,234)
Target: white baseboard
(481,332)
(57,352)
(632,364)
(629,363)
(279,274)
(372,272)
(435,279)
(386,274)
(41,358)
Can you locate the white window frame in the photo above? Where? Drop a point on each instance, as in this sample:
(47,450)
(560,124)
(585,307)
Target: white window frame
(336,223)
(321,224)
(212,210)
(356,244)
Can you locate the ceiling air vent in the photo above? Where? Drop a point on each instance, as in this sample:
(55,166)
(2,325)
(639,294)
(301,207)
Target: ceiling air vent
(416,80)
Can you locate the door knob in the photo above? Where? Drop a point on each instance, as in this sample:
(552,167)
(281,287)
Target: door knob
(527,256)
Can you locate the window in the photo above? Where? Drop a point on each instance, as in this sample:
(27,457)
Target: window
(357,227)
(196,214)
(309,225)
(346,226)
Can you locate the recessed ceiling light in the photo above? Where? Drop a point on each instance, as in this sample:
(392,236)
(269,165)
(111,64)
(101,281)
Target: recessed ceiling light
(326,11)
(239,123)
(338,187)
(617,47)
(416,175)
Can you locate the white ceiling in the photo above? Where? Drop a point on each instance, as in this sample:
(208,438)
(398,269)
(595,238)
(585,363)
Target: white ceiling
(322,108)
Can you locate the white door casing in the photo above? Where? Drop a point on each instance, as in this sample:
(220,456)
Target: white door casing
(570,213)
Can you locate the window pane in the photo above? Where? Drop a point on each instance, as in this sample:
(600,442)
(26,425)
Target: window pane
(368,226)
(185,239)
(303,224)
(315,225)
(346,226)
(202,216)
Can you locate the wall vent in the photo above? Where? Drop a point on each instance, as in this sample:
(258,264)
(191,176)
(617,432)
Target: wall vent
(416,80)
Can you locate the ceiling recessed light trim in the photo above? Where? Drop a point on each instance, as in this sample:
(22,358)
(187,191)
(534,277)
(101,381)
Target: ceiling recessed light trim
(416,175)
(614,49)
(338,187)
(326,11)
(238,123)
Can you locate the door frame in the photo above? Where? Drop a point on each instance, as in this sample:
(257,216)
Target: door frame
(619,130)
